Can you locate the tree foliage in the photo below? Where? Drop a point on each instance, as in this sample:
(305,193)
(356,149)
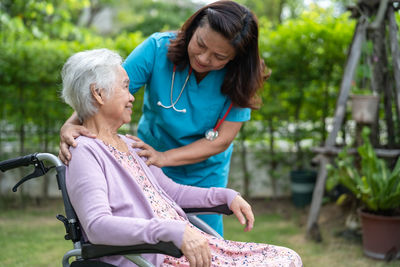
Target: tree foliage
(42,18)
(35,47)
(276,11)
(149,16)
(306,53)
(306,56)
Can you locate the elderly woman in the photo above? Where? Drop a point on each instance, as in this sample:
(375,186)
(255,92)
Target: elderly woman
(121,201)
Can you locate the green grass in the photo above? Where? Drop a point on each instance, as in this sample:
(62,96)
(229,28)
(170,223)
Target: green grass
(34,237)
(288,229)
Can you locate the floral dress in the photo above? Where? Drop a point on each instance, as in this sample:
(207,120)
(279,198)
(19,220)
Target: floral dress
(224,252)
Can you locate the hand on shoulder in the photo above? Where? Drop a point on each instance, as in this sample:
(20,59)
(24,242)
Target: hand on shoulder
(68,133)
(153,156)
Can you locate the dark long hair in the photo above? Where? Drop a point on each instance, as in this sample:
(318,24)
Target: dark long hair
(245,73)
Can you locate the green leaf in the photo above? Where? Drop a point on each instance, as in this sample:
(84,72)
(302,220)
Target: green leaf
(374,184)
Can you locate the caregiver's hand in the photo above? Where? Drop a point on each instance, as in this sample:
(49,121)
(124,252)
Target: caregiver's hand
(68,133)
(195,247)
(153,156)
(243,212)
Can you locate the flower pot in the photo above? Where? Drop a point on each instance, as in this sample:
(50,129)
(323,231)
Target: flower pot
(364,108)
(381,236)
(302,185)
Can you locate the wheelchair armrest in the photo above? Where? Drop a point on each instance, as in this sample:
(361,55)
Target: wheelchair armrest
(91,251)
(221,209)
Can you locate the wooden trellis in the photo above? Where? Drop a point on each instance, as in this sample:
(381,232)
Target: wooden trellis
(381,84)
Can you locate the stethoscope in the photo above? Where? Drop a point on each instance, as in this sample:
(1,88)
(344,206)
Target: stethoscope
(210,134)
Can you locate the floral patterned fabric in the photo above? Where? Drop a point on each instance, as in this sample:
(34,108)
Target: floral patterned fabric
(224,252)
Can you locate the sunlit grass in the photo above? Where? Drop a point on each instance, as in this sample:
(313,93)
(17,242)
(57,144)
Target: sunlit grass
(34,237)
(268,229)
(288,232)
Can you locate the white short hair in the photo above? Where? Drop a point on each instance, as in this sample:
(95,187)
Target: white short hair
(97,67)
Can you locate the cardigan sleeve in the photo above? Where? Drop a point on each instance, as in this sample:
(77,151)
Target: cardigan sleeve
(87,189)
(191,196)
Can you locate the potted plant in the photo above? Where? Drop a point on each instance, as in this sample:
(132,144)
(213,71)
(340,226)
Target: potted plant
(364,101)
(364,107)
(378,189)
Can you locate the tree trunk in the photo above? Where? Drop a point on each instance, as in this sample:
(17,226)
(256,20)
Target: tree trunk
(273,161)
(2,129)
(280,11)
(297,137)
(325,114)
(45,184)
(22,195)
(344,130)
(375,125)
(380,78)
(243,157)
(395,53)
(21,134)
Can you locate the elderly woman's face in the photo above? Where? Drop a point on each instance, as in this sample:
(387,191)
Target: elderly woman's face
(208,50)
(118,107)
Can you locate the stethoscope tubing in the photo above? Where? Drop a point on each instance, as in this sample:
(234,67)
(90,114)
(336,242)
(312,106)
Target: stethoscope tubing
(173,103)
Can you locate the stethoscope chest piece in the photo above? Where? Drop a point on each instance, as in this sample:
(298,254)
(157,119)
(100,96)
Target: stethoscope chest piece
(211,134)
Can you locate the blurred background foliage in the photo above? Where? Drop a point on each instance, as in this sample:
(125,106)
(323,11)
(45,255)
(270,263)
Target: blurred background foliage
(303,43)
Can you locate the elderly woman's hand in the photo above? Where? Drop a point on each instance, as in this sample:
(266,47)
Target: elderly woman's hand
(243,212)
(153,156)
(195,247)
(68,134)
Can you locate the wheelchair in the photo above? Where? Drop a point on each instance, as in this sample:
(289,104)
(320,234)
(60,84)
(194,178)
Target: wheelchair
(85,253)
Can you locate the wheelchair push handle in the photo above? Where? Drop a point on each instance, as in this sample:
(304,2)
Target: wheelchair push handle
(35,159)
(17,162)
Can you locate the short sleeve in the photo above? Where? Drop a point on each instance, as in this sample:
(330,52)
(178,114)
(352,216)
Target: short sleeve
(236,114)
(139,64)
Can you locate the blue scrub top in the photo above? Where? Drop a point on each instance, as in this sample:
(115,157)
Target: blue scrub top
(166,129)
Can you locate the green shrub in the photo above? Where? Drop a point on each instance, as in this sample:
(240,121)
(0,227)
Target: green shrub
(373,183)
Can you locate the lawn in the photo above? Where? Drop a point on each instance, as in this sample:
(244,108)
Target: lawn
(34,237)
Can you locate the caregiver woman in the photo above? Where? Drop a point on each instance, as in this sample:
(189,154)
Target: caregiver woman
(200,84)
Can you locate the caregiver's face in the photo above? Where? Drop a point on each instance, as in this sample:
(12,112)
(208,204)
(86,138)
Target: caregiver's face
(208,50)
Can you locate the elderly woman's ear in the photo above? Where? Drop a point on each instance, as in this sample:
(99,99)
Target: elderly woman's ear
(97,94)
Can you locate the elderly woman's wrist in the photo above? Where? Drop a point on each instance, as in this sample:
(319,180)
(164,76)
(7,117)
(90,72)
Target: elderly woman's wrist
(175,229)
(232,194)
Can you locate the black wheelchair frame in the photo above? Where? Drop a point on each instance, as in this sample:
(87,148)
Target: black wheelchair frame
(85,252)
